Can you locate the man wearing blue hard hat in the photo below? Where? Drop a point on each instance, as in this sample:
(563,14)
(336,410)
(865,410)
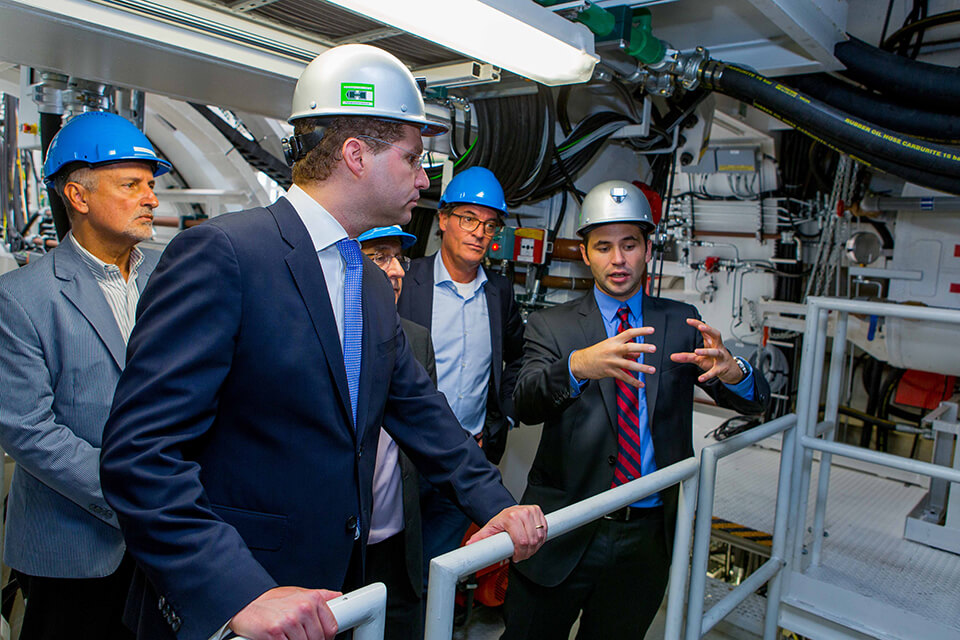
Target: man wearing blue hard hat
(64,328)
(394,548)
(476,328)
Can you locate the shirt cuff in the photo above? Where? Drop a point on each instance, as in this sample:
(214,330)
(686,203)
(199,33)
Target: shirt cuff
(223,632)
(744,388)
(576,386)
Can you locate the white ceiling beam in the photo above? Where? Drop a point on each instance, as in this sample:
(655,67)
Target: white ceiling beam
(815,25)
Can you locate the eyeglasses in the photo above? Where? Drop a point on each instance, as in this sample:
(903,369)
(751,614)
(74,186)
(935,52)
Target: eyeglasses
(470,224)
(416,160)
(382,260)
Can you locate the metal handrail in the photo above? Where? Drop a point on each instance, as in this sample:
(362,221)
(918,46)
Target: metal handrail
(445,570)
(698,622)
(363,610)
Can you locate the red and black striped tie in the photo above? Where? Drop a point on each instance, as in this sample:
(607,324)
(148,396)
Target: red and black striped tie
(628,422)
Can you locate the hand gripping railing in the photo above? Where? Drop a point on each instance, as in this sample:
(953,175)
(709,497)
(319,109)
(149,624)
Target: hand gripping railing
(363,610)
(699,623)
(445,570)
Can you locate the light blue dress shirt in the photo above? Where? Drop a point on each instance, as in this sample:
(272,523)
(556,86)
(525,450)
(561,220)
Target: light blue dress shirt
(608,311)
(461,341)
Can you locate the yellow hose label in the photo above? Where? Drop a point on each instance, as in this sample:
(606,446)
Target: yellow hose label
(907,144)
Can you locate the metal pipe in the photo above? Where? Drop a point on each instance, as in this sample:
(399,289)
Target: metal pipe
(862,307)
(701,547)
(809,427)
(445,570)
(804,390)
(830,413)
(704,520)
(730,601)
(788,446)
(363,610)
(681,555)
(884,459)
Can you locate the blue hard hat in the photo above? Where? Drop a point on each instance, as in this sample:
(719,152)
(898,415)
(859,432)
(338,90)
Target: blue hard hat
(96,138)
(407,240)
(476,185)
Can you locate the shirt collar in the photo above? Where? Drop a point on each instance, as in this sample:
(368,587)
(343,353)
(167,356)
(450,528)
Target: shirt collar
(441,275)
(100,268)
(323,228)
(609,306)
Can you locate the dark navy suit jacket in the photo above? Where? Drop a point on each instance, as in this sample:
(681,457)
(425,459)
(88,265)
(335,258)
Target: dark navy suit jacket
(230,456)
(506,343)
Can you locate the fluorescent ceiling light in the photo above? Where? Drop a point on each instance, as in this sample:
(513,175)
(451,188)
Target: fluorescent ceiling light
(518,35)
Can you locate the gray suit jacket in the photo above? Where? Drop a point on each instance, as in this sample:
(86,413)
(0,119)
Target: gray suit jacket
(61,354)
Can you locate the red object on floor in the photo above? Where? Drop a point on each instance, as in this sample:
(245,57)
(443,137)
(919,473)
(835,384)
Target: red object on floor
(923,389)
(491,581)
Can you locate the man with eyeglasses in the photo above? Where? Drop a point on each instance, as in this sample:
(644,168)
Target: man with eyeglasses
(477,333)
(240,452)
(394,548)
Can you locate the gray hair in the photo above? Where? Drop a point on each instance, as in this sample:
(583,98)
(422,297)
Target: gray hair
(82,175)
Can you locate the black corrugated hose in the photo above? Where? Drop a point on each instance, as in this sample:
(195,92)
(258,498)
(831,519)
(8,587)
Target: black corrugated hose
(930,125)
(918,161)
(896,75)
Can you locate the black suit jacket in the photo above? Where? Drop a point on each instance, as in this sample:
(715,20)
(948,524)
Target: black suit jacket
(422,348)
(578,446)
(506,338)
(231,455)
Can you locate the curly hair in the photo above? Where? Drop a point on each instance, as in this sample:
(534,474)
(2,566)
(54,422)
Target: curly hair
(319,162)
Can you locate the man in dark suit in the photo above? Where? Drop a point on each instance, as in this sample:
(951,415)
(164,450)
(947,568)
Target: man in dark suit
(240,451)
(394,548)
(611,377)
(63,330)
(476,329)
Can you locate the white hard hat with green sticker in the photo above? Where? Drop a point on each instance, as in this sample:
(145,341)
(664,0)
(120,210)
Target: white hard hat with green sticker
(360,80)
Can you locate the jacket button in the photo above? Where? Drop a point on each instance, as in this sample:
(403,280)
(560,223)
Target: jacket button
(612,460)
(360,451)
(351,524)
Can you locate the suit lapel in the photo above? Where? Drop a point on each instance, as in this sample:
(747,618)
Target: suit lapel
(591,323)
(653,316)
(493,312)
(308,275)
(368,362)
(81,289)
(421,301)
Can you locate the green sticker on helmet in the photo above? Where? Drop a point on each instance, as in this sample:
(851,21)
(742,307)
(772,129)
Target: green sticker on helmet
(356,95)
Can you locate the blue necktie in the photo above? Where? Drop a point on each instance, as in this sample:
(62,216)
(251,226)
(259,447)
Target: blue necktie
(352,317)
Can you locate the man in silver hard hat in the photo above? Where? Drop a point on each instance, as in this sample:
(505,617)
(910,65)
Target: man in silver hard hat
(64,326)
(611,378)
(240,452)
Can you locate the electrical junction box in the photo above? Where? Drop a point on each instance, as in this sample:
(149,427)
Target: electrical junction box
(501,247)
(530,245)
(736,160)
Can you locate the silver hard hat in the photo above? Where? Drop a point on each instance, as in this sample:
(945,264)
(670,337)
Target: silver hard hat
(615,201)
(360,80)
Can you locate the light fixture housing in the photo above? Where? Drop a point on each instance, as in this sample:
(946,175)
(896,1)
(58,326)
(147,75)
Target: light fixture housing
(517,35)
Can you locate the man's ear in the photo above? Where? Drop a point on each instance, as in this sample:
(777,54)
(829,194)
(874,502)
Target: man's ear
(353,156)
(649,249)
(76,197)
(583,254)
(442,220)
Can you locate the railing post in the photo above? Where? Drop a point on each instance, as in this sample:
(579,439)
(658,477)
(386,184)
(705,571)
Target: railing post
(806,423)
(788,445)
(830,416)
(701,542)
(681,557)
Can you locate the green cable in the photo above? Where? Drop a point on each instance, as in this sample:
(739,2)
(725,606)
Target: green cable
(459,160)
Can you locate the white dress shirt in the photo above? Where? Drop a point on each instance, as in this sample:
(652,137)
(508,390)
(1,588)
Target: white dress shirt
(122,295)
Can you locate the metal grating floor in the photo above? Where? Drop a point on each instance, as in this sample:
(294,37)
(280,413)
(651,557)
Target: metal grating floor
(865,551)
